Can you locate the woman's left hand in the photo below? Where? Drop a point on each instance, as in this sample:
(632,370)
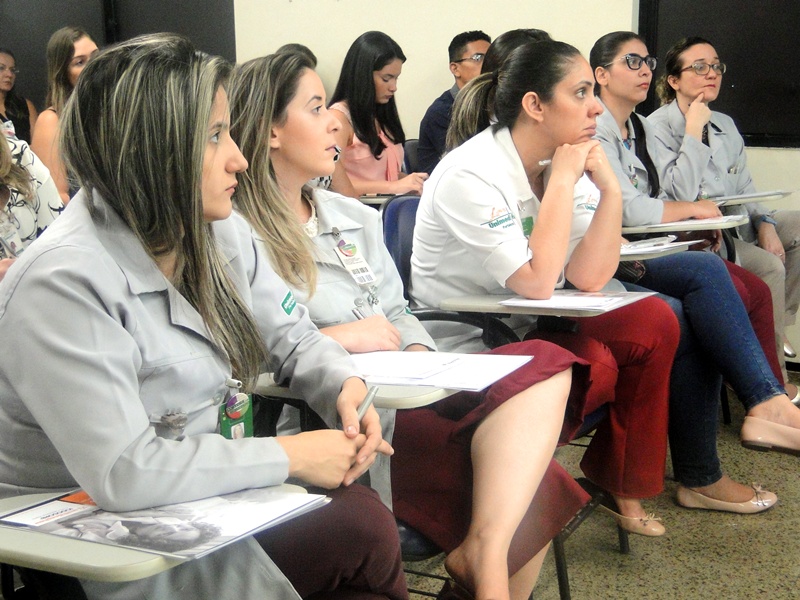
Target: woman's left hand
(350,398)
(599,169)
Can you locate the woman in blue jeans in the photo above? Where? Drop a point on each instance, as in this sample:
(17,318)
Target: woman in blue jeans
(717,336)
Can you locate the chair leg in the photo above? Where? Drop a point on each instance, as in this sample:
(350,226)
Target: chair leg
(726,407)
(624,541)
(561,567)
(7,582)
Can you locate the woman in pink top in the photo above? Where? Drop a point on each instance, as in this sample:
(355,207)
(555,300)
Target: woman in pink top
(371,134)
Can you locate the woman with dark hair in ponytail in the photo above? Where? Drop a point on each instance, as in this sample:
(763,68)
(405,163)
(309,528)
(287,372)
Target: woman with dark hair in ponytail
(528,205)
(716,335)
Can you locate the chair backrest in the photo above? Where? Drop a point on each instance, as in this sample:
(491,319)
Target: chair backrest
(399,216)
(411,162)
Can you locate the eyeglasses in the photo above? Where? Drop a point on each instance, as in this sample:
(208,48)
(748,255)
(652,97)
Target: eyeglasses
(702,68)
(477,57)
(635,61)
(13,70)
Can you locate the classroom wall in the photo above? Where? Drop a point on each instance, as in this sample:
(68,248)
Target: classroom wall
(424,28)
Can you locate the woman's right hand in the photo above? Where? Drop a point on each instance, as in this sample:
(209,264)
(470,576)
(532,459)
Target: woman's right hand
(570,160)
(365,335)
(697,116)
(705,209)
(322,457)
(410,184)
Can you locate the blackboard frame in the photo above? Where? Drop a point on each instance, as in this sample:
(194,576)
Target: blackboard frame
(756,39)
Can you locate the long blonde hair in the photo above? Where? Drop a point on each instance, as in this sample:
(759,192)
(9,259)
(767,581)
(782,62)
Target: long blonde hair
(260,90)
(12,175)
(134,131)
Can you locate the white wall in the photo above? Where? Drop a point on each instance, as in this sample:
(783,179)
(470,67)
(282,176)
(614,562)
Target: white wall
(424,28)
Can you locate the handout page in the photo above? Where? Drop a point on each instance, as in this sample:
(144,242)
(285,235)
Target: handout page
(448,370)
(185,531)
(573,299)
(655,248)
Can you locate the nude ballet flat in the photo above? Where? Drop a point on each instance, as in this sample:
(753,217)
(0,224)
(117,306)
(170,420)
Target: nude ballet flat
(762,435)
(648,525)
(762,500)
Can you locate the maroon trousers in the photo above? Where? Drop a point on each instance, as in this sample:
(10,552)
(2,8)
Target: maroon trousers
(347,550)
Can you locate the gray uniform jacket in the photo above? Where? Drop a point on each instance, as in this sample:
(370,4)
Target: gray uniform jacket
(692,169)
(337,293)
(638,207)
(104,346)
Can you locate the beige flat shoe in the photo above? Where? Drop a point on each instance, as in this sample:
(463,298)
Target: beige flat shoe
(648,525)
(763,435)
(762,500)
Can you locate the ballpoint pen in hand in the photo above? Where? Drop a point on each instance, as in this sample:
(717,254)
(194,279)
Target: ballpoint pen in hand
(368,399)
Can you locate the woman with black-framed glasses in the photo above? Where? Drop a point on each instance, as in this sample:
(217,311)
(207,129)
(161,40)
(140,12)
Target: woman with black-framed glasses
(702,155)
(716,336)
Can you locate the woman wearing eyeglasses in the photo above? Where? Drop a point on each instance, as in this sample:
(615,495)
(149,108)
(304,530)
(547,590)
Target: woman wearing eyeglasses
(702,155)
(715,334)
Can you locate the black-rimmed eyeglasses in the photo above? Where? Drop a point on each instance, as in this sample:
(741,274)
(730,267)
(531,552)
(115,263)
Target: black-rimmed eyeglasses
(477,57)
(702,68)
(634,62)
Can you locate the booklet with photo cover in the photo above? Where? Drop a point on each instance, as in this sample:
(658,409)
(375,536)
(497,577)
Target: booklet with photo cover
(185,531)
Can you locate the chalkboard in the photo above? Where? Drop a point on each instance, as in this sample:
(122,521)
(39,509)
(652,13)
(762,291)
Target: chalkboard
(759,43)
(26,27)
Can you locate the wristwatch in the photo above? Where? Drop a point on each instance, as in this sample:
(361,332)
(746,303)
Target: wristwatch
(767,219)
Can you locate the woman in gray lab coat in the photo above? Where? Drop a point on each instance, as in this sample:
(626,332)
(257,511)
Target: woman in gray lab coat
(136,315)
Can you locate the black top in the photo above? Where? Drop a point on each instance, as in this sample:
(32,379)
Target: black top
(17,112)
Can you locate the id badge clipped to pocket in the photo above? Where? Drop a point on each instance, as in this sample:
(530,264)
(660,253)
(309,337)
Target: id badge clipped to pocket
(236,413)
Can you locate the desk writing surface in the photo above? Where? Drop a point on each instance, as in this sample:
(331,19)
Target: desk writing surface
(375,199)
(754,197)
(491,304)
(648,254)
(24,547)
(726,222)
(73,557)
(389,396)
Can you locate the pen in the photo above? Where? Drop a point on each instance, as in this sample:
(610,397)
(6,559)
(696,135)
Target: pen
(362,410)
(359,315)
(545,162)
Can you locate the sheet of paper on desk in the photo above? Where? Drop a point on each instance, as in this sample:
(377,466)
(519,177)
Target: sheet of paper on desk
(628,249)
(448,370)
(709,223)
(602,301)
(193,529)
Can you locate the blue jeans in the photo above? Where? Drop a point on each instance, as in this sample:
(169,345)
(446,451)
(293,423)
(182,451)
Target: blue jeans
(716,337)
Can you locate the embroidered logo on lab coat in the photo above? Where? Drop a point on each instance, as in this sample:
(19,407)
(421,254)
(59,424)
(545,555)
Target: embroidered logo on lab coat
(288,303)
(501,217)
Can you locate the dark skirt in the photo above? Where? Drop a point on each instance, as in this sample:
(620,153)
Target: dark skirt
(432,468)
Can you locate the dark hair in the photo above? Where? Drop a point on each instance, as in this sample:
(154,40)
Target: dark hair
(371,51)
(299,49)
(60,51)
(506,42)
(532,67)
(459,43)
(16,107)
(673,66)
(603,52)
